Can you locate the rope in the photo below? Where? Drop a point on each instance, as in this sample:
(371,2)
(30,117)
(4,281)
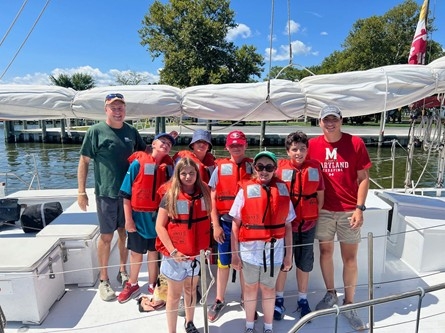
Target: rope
(26,39)
(288,29)
(270,48)
(13,22)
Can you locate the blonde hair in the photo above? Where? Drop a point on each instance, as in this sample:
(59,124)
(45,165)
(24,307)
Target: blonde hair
(175,188)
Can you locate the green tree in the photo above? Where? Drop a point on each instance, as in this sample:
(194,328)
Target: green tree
(82,81)
(191,37)
(62,80)
(292,73)
(130,78)
(78,81)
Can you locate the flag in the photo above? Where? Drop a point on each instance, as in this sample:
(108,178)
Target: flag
(418,46)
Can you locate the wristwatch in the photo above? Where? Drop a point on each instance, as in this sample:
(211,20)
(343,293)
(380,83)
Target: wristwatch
(361,207)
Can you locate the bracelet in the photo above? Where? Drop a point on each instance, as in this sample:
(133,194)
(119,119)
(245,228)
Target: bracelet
(172,253)
(82,193)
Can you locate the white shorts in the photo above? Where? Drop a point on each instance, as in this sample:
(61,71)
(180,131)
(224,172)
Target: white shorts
(179,271)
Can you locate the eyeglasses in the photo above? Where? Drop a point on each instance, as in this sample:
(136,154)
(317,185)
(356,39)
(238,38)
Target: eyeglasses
(111,96)
(268,167)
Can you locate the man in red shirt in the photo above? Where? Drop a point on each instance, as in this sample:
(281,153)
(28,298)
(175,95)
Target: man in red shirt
(345,163)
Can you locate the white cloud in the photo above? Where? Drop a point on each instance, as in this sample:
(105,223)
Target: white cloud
(298,48)
(242,31)
(101,79)
(294,27)
(323,33)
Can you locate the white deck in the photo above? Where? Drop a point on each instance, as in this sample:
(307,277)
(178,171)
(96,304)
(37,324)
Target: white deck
(82,310)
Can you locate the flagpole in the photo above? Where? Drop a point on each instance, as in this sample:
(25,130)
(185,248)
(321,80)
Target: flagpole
(416,57)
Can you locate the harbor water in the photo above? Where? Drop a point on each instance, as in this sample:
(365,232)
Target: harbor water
(47,166)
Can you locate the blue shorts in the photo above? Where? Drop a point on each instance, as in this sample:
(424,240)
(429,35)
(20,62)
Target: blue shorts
(139,244)
(179,271)
(303,243)
(110,212)
(224,249)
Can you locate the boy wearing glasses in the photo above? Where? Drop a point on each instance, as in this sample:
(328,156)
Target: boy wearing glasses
(262,214)
(147,172)
(304,179)
(109,144)
(225,185)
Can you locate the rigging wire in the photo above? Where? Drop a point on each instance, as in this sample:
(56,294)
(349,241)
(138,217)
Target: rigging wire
(289,33)
(272,13)
(430,33)
(13,22)
(26,39)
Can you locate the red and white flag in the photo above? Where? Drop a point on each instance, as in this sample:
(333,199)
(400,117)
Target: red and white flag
(418,46)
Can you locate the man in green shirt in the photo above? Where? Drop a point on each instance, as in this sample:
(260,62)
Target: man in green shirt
(108,144)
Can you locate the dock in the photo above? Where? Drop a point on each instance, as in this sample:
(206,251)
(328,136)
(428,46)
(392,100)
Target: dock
(275,135)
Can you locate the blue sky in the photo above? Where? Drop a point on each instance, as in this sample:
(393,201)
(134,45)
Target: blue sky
(100,37)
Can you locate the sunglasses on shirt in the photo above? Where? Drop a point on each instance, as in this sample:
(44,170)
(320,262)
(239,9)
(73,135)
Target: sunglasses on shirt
(268,167)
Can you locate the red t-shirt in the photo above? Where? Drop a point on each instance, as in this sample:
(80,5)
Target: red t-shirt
(340,162)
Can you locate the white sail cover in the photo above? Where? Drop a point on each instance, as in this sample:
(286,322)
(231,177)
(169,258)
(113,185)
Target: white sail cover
(356,93)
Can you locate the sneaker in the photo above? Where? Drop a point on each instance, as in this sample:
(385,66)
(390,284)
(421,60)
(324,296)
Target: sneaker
(354,320)
(242,307)
(215,311)
(128,292)
(249,330)
(303,307)
(106,292)
(181,308)
(122,278)
(278,313)
(150,290)
(267,331)
(190,327)
(328,301)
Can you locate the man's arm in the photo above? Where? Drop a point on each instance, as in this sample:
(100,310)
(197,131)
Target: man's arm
(82,173)
(363,187)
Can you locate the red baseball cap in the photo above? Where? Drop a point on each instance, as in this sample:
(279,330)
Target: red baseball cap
(236,138)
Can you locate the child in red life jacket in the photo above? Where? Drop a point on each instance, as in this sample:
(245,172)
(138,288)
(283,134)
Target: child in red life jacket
(225,185)
(146,173)
(183,228)
(200,148)
(262,214)
(304,180)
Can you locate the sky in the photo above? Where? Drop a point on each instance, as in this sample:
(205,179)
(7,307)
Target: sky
(40,38)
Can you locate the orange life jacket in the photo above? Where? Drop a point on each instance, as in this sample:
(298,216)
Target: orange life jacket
(265,210)
(229,175)
(190,230)
(206,166)
(151,176)
(302,184)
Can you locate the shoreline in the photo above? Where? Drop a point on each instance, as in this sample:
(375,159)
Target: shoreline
(274,135)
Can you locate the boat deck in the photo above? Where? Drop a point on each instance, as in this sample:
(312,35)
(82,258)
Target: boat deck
(81,309)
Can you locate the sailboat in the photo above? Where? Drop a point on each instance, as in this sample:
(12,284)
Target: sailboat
(48,280)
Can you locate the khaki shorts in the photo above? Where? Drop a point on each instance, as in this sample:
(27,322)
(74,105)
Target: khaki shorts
(253,274)
(331,223)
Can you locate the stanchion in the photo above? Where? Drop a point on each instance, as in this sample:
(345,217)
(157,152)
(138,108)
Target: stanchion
(204,287)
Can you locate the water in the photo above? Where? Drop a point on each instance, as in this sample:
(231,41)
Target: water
(57,165)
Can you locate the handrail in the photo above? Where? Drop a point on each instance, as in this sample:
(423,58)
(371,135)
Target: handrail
(339,309)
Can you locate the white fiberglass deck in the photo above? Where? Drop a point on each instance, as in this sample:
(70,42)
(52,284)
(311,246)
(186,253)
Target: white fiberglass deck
(81,309)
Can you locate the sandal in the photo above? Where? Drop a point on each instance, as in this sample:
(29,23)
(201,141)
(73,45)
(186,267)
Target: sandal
(147,304)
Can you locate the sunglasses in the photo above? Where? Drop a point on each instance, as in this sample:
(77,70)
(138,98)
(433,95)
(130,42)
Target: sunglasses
(268,167)
(111,96)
